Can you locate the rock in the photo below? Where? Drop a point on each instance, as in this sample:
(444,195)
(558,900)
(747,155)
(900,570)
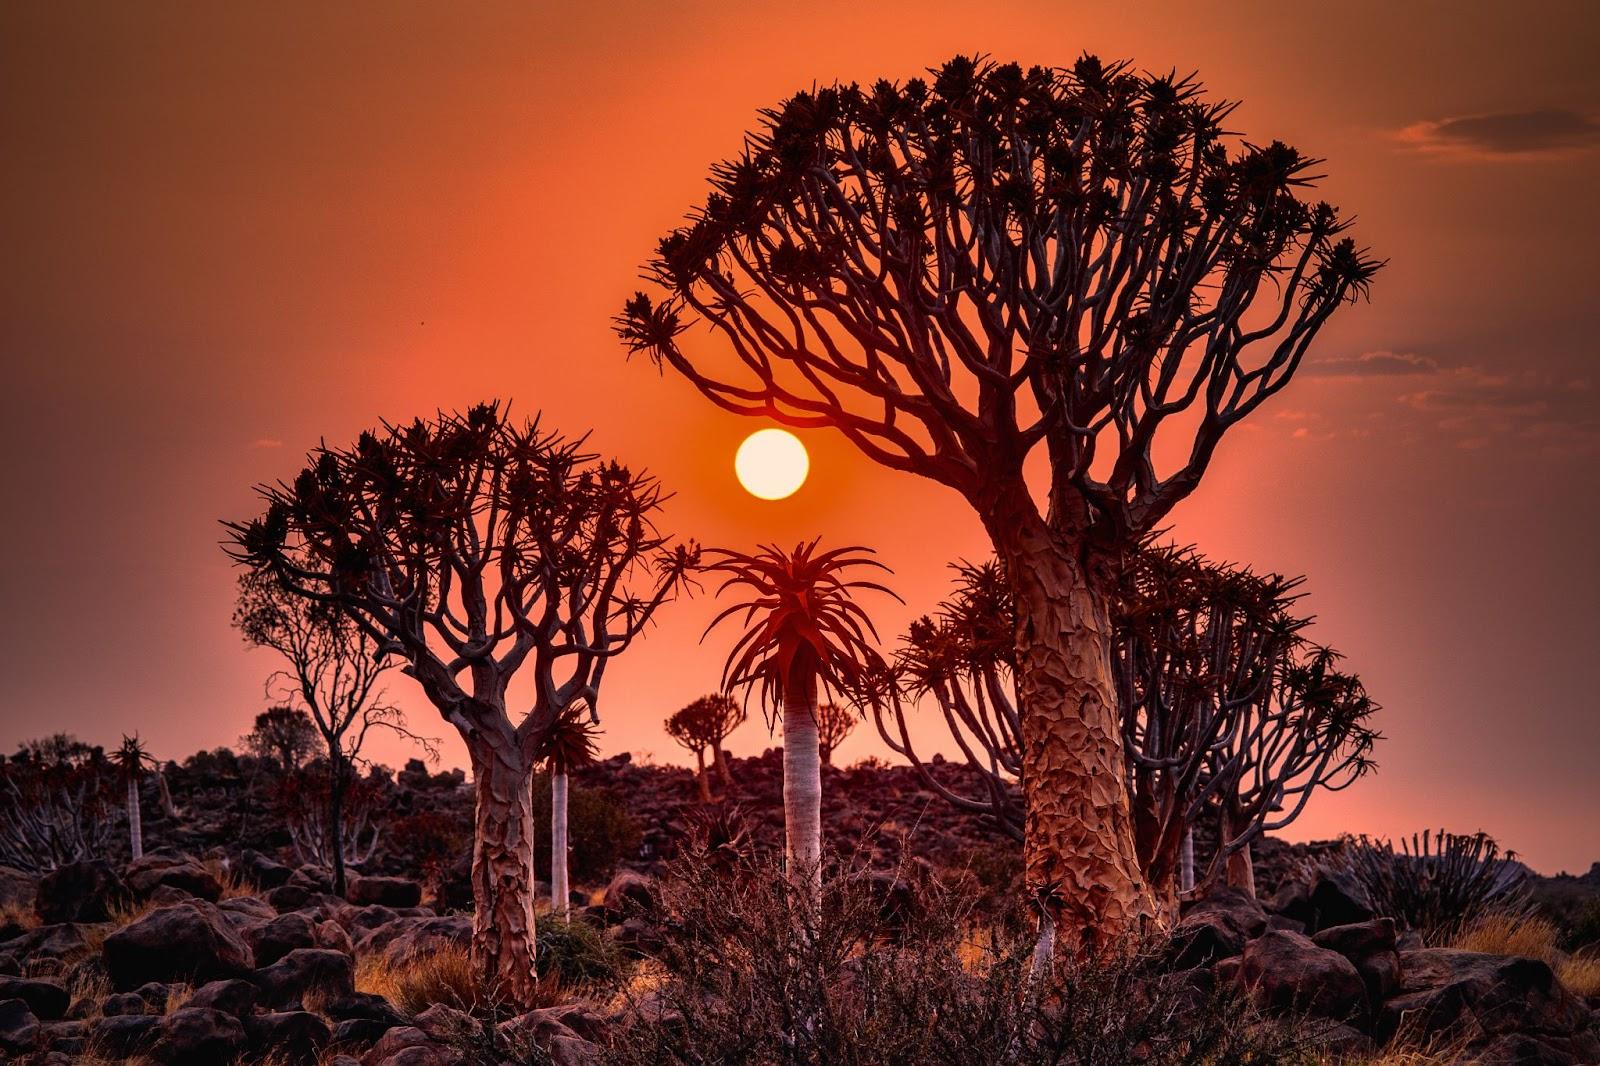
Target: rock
(1344,1042)
(235,996)
(19,1028)
(364,1031)
(404,937)
(364,920)
(305,970)
(79,892)
(1487,1000)
(198,1036)
(363,1006)
(263,872)
(1287,972)
(50,942)
(1371,947)
(315,878)
(283,934)
(46,999)
(17,888)
(191,941)
(1333,897)
(443,1022)
(293,897)
(68,1038)
(247,910)
(154,993)
(404,1039)
(630,893)
(145,876)
(125,1035)
(566,1050)
(330,934)
(295,1036)
(124,1003)
(384,891)
(1240,910)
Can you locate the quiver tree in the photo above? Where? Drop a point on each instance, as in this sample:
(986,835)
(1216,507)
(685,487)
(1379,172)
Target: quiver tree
(685,728)
(283,734)
(835,722)
(1199,650)
(330,680)
(132,762)
(705,725)
(306,802)
(956,274)
(803,633)
(56,804)
(569,743)
(477,550)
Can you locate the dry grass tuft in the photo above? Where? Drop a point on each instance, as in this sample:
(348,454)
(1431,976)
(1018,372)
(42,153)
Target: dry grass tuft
(1537,938)
(23,917)
(177,996)
(234,884)
(88,991)
(443,975)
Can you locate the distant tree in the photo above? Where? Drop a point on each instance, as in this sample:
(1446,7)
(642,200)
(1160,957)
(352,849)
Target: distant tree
(132,762)
(56,804)
(1076,262)
(803,630)
(333,671)
(283,734)
(305,799)
(568,744)
(686,727)
(471,547)
(706,724)
(835,722)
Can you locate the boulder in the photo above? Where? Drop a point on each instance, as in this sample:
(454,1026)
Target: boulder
(275,939)
(19,1028)
(1487,1000)
(146,876)
(68,1038)
(263,872)
(384,891)
(190,941)
(156,994)
(364,920)
(1286,972)
(1238,909)
(124,1003)
(198,1036)
(235,996)
(286,982)
(362,1006)
(17,888)
(46,999)
(244,911)
(406,1045)
(630,892)
(1329,898)
(330,934)
(293,897)
(79,892)
(293,1036)
(1371,947)
(50,942)
(404,937)
(125,1035)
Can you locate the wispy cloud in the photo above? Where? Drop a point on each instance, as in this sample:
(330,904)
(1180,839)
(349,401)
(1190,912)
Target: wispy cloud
(1506,134)
(1370,364)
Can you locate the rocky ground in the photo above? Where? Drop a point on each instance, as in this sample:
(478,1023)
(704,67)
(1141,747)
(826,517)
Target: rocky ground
(218,944)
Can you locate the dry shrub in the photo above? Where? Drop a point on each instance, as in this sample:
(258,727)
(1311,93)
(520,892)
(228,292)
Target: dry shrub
(1580,973)
(754,970)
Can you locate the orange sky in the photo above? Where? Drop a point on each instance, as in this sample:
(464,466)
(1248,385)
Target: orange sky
(228,234)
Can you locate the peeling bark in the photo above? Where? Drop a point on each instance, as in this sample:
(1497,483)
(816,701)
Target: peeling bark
(503,947)
(1080,860)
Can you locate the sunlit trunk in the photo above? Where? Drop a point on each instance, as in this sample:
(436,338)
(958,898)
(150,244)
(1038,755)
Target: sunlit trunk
(503,945)
(1080,862)
(1186,862)
(135,820)
(1241,870)
(560,889)
(802,778)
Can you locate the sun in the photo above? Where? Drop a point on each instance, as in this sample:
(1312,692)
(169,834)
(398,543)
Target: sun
(772,464)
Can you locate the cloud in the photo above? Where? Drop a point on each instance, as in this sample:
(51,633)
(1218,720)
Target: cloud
(1370,364)
(1506,134)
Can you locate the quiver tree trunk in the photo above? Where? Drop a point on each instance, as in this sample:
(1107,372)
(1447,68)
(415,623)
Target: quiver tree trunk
(1186,862)
(1241,868)
(802,778)
(560,887)
(135,820)
(503,947)
(1080,862)
(701,777)
(719,759)
(335,816)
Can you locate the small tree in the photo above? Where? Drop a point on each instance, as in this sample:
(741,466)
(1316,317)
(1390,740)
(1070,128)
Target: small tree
(473,548)
(333,671)
(132,761)
(961,274)
(835,722)
(569,743)
(283,734)
(686,727)
(803,630)
(55,804)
